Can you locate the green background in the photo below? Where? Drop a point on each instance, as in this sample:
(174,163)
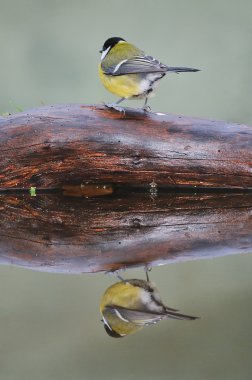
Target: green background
(49,324)
(49,52)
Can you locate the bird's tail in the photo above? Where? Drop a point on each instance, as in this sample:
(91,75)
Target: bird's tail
(181,69)
(176,315)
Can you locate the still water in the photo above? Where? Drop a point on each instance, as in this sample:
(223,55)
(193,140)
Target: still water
(50,322)
(51,325)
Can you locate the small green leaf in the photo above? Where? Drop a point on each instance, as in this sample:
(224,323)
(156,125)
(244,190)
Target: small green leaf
(33,191)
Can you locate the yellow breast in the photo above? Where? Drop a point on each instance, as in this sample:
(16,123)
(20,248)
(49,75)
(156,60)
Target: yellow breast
(122,294)
(125,86)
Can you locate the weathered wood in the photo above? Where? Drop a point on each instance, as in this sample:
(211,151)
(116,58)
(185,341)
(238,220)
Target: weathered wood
(70,144)
(73,235)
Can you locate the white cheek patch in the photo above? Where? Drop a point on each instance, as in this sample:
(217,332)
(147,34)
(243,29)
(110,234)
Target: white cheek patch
(104,53)
(106,323)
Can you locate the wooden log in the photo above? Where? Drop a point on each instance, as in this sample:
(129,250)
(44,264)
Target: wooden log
(73,235)
(69,144)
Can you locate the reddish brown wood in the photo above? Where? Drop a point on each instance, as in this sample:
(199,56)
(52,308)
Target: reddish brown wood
(70,144)
(60,234)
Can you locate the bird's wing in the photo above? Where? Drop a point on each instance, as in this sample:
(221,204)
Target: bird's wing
(139,317)
(136,65)
(145,317)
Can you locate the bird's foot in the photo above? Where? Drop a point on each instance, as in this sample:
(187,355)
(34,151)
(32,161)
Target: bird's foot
(146,109)
(115,107)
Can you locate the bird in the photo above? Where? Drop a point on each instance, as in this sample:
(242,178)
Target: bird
(129,305)
(126,71)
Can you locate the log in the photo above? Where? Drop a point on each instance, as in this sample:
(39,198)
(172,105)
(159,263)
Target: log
(55,233)
(53,146)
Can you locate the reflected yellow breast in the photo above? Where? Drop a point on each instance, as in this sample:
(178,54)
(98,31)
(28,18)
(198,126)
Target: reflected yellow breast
(122,294)
(124,86)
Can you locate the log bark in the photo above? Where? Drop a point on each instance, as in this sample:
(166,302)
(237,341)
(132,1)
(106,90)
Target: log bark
(73,235)
(61,145)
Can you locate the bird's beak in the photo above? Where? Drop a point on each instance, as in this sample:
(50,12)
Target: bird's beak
(100,51)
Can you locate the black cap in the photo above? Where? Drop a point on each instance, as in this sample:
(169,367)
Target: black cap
(111,332)
(110,42)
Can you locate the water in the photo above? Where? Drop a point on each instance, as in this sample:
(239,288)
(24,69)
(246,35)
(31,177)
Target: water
(51,325)
(50,322)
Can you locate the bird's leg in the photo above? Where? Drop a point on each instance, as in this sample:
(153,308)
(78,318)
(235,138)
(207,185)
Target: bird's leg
(119,277)
(120,100)
(147,269)
(115,105)
(116,274)
(145,107)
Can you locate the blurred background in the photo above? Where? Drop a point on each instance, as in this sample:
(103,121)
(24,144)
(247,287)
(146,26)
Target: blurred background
(49,52)
(49,324)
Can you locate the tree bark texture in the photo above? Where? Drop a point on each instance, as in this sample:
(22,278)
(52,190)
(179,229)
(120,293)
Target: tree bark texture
(73,235)
(61,145)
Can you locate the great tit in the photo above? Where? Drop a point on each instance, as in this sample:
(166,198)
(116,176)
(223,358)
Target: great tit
(128,72)
(129,305)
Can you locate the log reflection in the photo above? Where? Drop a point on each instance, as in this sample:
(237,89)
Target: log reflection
(64,234)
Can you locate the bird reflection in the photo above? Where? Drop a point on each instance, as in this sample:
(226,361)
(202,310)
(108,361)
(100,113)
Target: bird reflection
(129,305)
